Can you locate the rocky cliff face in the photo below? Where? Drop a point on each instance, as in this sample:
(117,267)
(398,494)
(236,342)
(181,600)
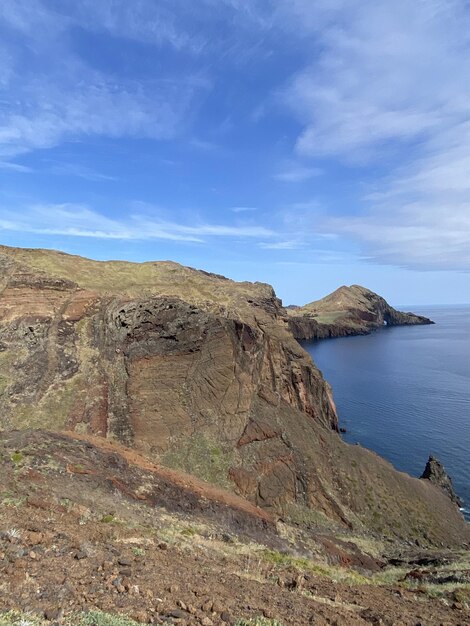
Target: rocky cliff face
(436,474)
(347,311)
(199,373)
(157,356)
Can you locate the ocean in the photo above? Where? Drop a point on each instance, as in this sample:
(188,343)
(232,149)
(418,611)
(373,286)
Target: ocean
(404,392)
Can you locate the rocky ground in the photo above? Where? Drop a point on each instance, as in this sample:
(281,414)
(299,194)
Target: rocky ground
(86,526)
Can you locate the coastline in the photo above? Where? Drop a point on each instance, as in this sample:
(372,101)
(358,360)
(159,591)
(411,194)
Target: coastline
(404,394)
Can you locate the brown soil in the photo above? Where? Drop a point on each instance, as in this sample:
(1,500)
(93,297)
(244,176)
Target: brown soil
(186,484)
(86,526)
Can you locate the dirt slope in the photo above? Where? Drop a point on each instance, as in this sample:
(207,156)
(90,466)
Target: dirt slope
(87,525)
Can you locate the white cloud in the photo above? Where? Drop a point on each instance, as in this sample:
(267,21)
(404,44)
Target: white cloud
(374,80)
(14,167)
(79,171)
(50,112)
(388,80)
(416,236)
(50,94)
(293,172)
(80,221)
(282,245)
(379,72)
(420,217)
(243,209)
(143,20)
(30,17)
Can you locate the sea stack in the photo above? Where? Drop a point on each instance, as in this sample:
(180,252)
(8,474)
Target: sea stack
(436,474)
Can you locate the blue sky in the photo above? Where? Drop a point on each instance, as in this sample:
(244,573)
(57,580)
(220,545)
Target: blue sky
(305,144)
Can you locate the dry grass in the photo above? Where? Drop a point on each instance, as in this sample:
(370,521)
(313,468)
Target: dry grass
(92,618)
(152,278)
(203,457)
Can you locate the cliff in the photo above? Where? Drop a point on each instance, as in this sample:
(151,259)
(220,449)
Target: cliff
(201,374)
(347,311)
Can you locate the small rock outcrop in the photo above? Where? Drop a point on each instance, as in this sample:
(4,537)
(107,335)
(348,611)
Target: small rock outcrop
(352,310)
(437,475)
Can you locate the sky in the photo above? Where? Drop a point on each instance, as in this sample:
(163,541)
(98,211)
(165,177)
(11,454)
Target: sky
(307,144)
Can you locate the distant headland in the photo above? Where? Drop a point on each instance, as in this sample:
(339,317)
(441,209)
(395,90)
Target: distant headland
(352,310)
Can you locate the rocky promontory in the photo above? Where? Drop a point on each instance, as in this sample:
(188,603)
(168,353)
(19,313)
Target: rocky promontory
(352,310)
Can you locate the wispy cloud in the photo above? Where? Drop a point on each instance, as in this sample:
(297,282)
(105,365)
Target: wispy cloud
(142,20)
(282,245)
(419,218)
(375,78)
(243,209)
(415,236)
(54,95)
(206,146)
(293,172)
(14,167)
(386,80)
(364,84)
(79,171)
(48,113)
(81,221)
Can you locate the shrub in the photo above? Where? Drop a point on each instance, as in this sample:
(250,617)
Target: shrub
(258,621)
(97,618)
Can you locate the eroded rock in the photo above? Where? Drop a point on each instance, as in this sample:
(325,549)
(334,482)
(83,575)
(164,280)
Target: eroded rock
(437,475)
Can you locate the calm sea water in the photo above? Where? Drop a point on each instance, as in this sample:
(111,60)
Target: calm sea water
(404,392)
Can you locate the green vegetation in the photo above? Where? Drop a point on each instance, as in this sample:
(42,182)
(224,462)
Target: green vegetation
(258,621)
(6,360)
(97,618)
(14,618)
(162,278)
(17,457)
(337,574)
(329,318)
(202,457)
(386,577)
(54,408)
(462,595)
(285,560)
(304,516)
(8,498)
(4,382)
(93,618)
